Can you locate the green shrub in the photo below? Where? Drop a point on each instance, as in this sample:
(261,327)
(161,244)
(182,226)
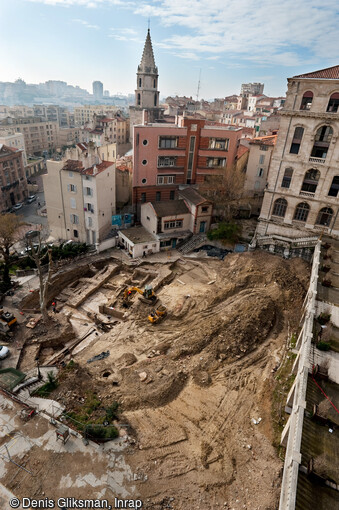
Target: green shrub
(228,231)
(101,432)
(111,412)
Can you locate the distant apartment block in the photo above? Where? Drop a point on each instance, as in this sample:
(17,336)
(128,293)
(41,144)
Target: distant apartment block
(85,114)
(13,183)
(98,90)
(252,88)
(39,135)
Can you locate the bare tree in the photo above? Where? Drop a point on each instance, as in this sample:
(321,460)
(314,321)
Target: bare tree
(9,235)
(41,259)
(225,191)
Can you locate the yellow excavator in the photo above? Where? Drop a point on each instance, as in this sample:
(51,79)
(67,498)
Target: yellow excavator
(158,314)
(147,295)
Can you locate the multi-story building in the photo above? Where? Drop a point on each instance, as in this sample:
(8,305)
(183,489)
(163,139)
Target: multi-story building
(39,135)
(85,114)
(252,88)
(13,183)
(146,93)
(301,199)
(16,141)
(98,90)
(80,198)
(169,155)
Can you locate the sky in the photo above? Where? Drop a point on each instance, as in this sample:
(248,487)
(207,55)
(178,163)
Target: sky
(226,42)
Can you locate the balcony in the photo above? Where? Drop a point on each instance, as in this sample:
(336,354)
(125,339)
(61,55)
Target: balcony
(306,194)
(320,161)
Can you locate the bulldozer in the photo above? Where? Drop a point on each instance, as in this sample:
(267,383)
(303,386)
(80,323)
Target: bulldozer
(147,295)
(158,314)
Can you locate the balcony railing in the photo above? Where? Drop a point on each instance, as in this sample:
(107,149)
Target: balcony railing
(306,194)
(317,160)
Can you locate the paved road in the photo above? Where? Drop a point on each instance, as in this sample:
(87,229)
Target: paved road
(29,211)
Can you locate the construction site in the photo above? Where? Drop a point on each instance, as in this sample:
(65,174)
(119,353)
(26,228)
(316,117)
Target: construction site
(187,351)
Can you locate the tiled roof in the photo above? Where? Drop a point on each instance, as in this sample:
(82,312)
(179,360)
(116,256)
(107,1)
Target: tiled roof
(5,150)
(83,146)
(265,140)
(330,73)
(241,151)
(138,235)
(170,208)
(191,195)
(73,165)
(99,168)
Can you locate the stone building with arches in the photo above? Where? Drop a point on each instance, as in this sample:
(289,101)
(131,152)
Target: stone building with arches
(302,196)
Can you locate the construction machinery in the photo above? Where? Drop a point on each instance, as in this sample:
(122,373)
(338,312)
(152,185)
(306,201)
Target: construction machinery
(147,295)
(7,321)
(158,314)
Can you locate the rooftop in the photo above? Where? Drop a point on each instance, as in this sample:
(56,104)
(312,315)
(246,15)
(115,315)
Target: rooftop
(170,208)
(138,235)
(265,140)
(192,196)
(330,73)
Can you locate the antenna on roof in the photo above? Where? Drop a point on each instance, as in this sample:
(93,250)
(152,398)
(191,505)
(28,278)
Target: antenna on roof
(198,90)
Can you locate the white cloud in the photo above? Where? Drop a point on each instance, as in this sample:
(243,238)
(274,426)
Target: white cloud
(269,32)
(86,24)
(84,3)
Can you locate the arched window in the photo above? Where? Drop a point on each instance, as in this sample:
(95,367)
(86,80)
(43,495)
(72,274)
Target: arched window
(139,82)
(280,207)
(306,101)
(334,189)
(286,181)
(301,211)
(296,141)
(322,142)
(324,216)
(139,99)
(311,181)
(154,83)
(333,103)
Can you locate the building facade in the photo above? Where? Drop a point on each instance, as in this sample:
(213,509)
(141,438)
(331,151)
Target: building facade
(98,90)
(166,156)
(301,199)
(40,136)
(13,183)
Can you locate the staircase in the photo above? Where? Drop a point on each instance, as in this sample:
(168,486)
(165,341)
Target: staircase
(193,242)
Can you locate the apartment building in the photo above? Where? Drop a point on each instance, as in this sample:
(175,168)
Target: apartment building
(80,198)
(13,183)
(166,156)
(39,135)
(16,141)
(85,114)
(301,199)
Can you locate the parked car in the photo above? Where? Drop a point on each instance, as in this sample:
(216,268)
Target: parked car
(17,206)
(31,199)
(4,352)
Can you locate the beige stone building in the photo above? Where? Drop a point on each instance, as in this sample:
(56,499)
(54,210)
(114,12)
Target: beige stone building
(84,114)
(301,200)
(13,183)
(80,198)
(39,135)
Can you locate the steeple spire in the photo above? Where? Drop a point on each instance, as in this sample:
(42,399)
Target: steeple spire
(147,64)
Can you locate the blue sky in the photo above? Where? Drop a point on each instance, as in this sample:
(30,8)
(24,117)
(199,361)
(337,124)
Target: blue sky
(231,41)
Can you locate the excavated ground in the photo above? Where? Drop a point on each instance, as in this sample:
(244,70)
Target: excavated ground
(190,386)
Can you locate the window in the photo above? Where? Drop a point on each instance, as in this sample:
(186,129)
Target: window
(74,219)
(70,174)
(90,222)
(172,194)
(73,203)
(143,181)
(311,181)
(260,172)
(333,103)
(204,208)
(154,84)
(72,188)
(263,148)
(296,141)
(324,216)
(155,99)
(218,144)
(306,101)
(190,160)
(286,181)
(165,179)
(261,159)
(145,142)
(168,142)
(138,100)
(158,196)
(139,82)
(280,207)
(301,212)
(322,142)
(173,224)
(89,207)
(143,198)
(88,192)
(75,233)
(216,162)
(144,162)
(167,161)
(333,191)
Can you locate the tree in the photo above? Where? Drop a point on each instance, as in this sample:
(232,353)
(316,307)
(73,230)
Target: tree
(39,255)
(225,191)
(9,235)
